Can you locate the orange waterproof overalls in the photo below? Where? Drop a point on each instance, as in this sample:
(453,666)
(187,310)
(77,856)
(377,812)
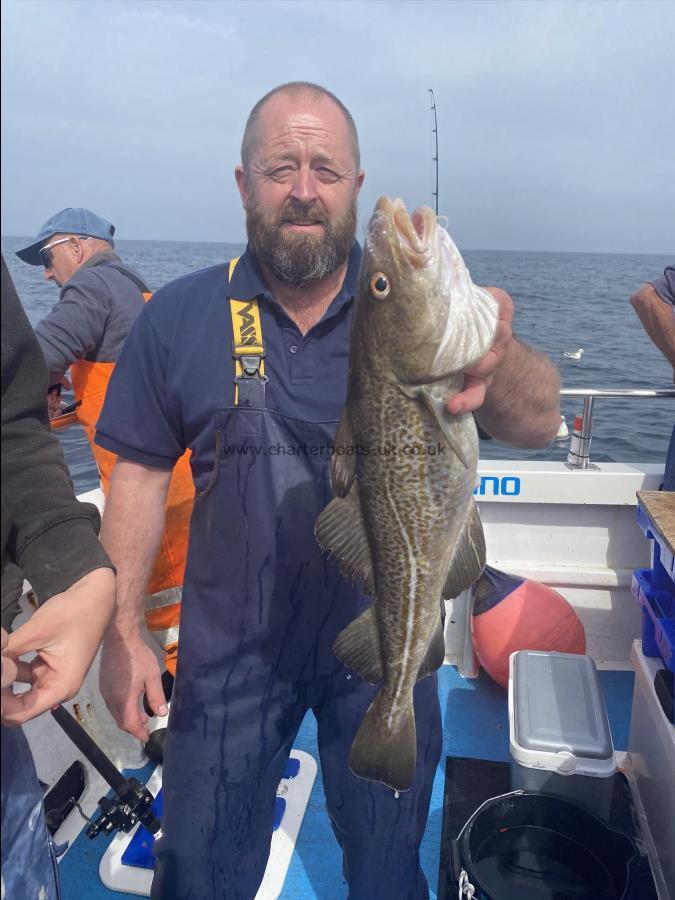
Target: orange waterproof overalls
(163,593)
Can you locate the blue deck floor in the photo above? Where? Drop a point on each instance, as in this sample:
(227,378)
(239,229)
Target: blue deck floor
(475,723)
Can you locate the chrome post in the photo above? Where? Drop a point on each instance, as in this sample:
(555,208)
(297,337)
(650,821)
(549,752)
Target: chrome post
(580,445)
(586,432)
(579,456)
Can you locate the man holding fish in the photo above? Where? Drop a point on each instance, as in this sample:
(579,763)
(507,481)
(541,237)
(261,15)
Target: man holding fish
(248,365)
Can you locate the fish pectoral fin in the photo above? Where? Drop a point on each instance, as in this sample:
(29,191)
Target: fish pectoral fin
(410,392)
(385,747)
(435,655)
(358,647)
(343,464)
(341,532)
(443,419)
(468,558)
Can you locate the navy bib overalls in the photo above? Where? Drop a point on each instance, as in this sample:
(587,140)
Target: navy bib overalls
(262,606)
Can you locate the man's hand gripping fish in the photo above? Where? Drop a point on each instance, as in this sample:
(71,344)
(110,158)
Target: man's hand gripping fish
(403,473)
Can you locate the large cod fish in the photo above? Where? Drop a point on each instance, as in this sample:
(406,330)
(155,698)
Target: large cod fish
(404,469)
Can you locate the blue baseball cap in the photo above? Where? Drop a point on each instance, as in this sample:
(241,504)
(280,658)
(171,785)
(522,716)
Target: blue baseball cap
(68,221)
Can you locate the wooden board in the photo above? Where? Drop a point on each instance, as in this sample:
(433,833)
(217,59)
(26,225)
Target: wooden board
(660,507)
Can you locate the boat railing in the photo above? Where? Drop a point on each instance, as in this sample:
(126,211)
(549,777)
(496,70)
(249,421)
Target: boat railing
(579,455)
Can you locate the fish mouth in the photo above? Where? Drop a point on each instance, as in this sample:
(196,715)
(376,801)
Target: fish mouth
(416,233)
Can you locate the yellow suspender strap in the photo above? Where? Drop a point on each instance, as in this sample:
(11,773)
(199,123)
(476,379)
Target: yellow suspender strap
(233,266)
(248,348)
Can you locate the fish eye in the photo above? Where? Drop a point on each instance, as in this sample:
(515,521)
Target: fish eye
(379,286)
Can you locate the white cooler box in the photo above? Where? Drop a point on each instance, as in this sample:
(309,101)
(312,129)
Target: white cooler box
(559,731)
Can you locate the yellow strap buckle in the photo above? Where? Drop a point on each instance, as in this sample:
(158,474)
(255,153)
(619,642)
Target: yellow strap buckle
(248,348)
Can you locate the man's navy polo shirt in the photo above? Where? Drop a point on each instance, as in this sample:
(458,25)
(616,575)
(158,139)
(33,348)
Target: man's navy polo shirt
(664,285)
(176,367)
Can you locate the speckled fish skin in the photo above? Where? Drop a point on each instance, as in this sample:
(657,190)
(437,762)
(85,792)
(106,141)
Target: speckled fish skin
(404,470)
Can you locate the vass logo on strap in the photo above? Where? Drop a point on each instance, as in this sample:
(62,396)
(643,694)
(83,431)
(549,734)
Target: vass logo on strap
(249,333)
(247,330)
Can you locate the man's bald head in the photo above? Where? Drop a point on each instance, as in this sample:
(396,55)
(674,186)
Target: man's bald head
(299,89)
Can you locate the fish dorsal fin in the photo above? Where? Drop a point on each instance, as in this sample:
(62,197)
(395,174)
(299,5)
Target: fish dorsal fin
(468,558)
(343,464)
(340,531)
(358,647)
(472,315)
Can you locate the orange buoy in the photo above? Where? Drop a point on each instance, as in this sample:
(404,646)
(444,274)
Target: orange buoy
(512,613)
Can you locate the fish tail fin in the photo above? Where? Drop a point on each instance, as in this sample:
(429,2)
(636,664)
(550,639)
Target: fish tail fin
(385,747)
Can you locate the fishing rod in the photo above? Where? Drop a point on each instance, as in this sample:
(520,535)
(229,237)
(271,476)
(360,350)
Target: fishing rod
(134,800)
(434,131)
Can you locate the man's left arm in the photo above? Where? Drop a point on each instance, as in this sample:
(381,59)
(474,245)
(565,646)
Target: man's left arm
(76,325)
(514,391)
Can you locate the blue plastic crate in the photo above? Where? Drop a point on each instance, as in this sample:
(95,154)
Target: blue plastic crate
(658,617)
(663,560)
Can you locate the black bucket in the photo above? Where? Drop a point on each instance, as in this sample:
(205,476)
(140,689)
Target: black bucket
(531,846)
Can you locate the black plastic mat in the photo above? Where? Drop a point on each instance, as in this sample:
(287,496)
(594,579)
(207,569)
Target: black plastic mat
(470,782)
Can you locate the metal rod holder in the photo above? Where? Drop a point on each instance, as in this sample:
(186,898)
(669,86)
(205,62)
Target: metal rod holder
(579,456)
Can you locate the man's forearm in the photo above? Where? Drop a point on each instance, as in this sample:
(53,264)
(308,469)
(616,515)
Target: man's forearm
(133,522)
(658,320)
(522,405)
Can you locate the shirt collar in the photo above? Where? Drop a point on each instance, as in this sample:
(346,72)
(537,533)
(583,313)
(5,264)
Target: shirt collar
(99,258)
(248,282)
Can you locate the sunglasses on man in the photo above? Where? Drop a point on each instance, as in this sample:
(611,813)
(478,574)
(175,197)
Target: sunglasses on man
(46,254)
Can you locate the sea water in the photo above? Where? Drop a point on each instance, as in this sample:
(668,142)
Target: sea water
(563,301)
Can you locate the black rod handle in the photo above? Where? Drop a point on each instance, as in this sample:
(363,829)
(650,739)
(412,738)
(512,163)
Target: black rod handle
(89,748)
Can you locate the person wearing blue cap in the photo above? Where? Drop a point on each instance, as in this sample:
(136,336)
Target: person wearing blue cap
(67,224)
(100,296)
(100,300)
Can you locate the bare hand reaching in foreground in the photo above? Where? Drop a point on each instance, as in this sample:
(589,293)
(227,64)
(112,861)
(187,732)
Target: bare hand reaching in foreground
(65,632)
(128,669)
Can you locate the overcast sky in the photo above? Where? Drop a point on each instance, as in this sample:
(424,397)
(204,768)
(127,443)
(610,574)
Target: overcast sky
(556,119)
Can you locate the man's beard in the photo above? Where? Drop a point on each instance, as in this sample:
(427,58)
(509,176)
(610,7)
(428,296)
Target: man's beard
(300,259)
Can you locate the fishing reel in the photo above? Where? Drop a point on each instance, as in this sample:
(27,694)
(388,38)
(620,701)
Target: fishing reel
(131,805)
(132,802)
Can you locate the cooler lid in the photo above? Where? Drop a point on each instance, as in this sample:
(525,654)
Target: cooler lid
(557,705)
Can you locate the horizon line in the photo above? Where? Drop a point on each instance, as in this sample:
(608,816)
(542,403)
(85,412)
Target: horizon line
(14,237)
